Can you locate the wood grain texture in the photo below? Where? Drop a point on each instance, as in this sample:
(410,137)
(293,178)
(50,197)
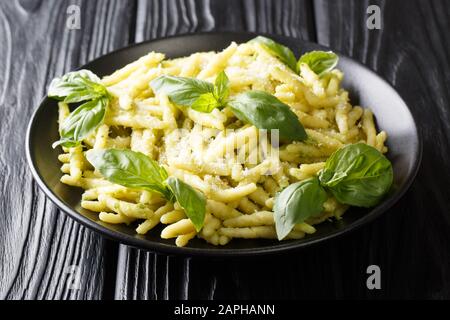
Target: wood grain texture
(410,243)
(38,243)
(158,18)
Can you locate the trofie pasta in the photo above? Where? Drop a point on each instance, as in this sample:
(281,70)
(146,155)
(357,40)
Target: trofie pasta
(214,148)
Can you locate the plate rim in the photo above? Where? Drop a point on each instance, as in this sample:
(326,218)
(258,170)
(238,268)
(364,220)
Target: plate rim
(171,249)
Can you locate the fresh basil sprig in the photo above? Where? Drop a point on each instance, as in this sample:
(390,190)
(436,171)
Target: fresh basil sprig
(320,62)
(357,175)
(259,108)
(77,87)
(296,203)
(198,94)
(265,111)
(283,53)
(135,170)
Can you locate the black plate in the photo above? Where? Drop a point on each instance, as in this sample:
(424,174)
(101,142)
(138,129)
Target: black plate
(365,87)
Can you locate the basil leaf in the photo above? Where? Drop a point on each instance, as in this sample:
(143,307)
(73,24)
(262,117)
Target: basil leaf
(77,86)
(283,53)
(197,94)
(221,88)
(82,122)
(180,90)
(320,62)
(265,111)
(192,201)
(357,175)
(296,203)
(207,102)
(130,169)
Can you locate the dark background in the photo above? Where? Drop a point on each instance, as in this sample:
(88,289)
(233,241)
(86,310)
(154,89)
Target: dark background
(410,243)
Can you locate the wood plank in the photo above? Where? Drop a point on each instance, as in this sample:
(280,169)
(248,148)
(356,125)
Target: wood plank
(158,18)
(410,242)
(144,275)
(38,243)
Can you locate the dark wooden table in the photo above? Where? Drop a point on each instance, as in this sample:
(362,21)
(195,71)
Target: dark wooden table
(410,243)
